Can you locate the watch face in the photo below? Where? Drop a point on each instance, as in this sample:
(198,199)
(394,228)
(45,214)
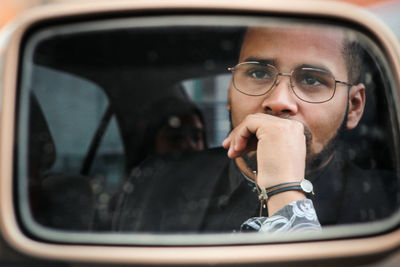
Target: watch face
(306,185)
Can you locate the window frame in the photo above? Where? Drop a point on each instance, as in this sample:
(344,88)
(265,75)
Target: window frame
(337,247)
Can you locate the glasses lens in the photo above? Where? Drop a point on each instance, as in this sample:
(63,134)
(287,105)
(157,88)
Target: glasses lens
(313,85)
(254,78)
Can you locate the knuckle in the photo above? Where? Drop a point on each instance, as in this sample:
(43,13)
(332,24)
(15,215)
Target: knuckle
(251,117)
(291,126)
(286,125)
(298,126)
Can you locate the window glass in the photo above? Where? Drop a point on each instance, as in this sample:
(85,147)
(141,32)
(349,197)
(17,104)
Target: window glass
(72,108)
(210,95)
(188,128)
(71,138)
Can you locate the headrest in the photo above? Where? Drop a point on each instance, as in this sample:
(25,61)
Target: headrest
(42,152)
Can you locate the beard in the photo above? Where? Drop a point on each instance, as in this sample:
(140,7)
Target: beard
(313,160)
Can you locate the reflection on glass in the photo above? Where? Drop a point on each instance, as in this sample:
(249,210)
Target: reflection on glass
(194,148)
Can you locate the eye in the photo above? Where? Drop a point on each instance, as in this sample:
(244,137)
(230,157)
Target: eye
(260,74)
(310,80)
(313,79)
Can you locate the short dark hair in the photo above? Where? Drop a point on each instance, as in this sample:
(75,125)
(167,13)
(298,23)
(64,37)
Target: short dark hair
(353,54)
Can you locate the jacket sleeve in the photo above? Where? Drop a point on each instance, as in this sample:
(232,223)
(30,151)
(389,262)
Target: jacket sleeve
(298,216)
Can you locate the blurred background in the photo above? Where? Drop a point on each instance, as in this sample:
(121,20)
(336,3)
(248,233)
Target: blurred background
(387,10)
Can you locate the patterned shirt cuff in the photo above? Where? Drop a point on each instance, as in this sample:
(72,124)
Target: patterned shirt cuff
(298,216)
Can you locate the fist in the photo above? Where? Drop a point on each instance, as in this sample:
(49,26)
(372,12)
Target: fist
(280,146)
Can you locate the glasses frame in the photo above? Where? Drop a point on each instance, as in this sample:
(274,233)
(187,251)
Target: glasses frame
(278,73)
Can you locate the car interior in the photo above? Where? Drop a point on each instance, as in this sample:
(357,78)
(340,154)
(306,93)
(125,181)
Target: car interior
(132,70)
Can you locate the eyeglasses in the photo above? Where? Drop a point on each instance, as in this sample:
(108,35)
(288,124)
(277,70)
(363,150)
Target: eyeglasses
(308,84)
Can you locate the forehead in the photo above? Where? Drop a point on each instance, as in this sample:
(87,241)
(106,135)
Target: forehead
(289,48)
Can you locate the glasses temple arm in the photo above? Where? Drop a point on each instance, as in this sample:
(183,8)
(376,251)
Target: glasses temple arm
(348,84)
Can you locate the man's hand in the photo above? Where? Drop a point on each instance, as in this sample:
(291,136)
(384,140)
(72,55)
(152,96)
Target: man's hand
(281,150)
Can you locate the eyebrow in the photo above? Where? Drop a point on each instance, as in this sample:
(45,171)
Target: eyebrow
(318,67)
(264,61)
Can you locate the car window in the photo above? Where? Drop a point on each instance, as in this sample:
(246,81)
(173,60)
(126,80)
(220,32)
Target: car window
(197,128)
(210,95)
(74,104)
(77,135)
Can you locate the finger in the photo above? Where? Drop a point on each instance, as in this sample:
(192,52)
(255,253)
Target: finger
(238,146)
(231,153)
(240,142)
(227,142)
(242,136)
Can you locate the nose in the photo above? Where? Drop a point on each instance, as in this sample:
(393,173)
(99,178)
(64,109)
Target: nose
(280,100)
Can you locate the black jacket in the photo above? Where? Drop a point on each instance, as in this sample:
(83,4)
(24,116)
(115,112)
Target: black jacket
(205,192)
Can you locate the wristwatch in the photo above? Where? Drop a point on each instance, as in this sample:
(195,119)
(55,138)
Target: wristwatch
(307,186)
(304,186)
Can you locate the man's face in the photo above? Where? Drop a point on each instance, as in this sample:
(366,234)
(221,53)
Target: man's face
(287,50)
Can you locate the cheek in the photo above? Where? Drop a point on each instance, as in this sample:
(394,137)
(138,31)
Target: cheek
(242,105)
(323,126)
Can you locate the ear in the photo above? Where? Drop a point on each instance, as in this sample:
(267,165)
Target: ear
(356,105)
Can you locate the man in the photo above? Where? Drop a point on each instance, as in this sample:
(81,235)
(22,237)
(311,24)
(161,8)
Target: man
(170,124)
(292,93)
